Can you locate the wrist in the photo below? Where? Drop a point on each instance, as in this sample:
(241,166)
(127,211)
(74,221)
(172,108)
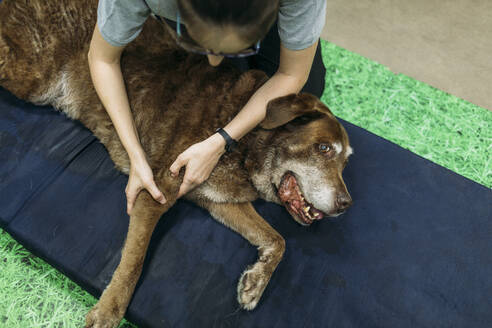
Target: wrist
(230,143)
(137,156)
(218,142)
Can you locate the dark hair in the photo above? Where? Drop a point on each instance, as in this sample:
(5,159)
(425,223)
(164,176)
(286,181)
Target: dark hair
(253,17)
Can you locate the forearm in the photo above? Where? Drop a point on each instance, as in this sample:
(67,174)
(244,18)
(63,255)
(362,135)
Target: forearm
(280,84)
(292,74)
(108,82)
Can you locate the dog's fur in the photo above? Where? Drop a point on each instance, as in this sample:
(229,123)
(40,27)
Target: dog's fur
(177,100)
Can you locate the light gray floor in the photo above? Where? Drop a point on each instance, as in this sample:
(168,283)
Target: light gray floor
(444,43)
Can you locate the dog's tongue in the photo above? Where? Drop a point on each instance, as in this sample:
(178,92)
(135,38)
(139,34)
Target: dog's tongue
(289,193)
(287,190)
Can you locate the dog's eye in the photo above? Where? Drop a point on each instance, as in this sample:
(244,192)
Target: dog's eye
(324,148)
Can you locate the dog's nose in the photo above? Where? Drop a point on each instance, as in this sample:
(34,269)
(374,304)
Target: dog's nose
(343,202)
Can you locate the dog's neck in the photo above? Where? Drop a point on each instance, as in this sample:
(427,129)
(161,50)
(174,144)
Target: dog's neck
(254,147)
(258,153)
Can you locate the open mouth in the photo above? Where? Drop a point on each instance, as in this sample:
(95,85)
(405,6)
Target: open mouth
(290,194)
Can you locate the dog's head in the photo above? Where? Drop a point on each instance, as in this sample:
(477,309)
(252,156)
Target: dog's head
(305,154)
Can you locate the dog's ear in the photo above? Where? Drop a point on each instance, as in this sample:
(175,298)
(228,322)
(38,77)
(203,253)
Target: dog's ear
(284,109)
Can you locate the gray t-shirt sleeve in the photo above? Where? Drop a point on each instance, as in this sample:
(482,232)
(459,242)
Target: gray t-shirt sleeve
(300,22)
(121,21)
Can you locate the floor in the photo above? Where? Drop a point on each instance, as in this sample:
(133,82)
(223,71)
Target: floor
(444,43)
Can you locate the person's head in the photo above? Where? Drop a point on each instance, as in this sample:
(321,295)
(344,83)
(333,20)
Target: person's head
(227,26)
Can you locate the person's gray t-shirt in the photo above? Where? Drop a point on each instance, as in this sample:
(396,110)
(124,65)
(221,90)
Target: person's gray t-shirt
(120,21)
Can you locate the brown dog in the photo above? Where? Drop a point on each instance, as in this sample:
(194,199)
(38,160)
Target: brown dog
(294,158)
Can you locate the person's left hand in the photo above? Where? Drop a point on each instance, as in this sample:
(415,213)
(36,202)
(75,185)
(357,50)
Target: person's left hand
(199,159)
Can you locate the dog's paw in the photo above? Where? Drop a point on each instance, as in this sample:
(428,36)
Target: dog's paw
(251,285)
(96,318)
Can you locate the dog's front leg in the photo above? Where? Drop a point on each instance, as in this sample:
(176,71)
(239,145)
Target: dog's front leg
(109,311)
(243,218)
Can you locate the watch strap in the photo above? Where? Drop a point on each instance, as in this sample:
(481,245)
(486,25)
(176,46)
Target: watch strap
(230,143)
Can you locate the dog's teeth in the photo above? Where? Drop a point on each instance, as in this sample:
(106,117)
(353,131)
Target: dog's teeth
(306,212)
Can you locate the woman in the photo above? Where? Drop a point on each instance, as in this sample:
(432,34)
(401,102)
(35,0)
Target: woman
(215,28)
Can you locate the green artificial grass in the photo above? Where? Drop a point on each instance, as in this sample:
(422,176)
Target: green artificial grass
(431,123)
(438,126)
(34,294)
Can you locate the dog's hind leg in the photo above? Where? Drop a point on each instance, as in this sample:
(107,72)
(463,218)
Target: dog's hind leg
(109,311)
(243,218)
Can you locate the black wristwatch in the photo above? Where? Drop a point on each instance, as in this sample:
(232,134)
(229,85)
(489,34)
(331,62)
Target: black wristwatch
(230,143)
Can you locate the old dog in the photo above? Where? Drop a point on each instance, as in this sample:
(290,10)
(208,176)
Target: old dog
(294,158)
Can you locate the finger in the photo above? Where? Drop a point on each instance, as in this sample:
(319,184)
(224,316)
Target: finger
(177,165)
(156,193)
(130,199)
(185,187)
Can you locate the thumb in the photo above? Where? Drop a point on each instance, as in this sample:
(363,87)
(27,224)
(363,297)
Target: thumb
(156,193)
(130,200)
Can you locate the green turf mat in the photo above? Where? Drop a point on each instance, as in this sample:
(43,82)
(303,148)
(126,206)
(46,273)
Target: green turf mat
(34,294)
(431,123)
(438,126)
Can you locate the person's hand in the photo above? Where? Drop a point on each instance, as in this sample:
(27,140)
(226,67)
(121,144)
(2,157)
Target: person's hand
(199,159)
(141,177)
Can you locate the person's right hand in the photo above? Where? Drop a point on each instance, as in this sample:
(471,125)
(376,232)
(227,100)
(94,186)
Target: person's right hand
(141,177)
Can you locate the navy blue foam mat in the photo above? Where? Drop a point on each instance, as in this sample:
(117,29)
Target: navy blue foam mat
(413,251)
